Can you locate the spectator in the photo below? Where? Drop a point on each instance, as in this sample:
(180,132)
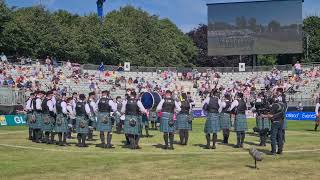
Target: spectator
(4,58)
(297,68)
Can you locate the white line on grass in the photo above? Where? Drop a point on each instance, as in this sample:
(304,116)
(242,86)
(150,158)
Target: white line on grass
(12,132)
(150,153)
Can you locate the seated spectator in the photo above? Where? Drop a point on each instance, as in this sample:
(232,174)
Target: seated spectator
(4,58)
(120,68)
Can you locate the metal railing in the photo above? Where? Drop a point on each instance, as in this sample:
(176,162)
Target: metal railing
(9,96)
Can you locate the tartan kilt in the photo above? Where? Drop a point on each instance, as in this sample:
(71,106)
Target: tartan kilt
(92,122)
(263,123)
(183,122)
(38,121)
(240,123)
(29,119)
(212,124)
(128,129)
(61,125)
(225,121)
(47,123)
(85,122)
(117,118)
(104,122)
(164,123)
(145,120)
(153,116)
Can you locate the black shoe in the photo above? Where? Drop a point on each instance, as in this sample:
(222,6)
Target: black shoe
(137,147)
(166,147)
(241,145)
(171,148)
(213,147)
(279,152)
(207,147)
(272,153)
(109,146)
(237,146)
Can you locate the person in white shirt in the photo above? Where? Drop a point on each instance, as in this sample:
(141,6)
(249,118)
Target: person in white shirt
(184,119)
(225,117)
(82,110)
(48,110)
(212,105)
(29,110)
(240,124)
(132,108)
(317,115)
(61,126)
(93,114)
(168,106)
(4,58)
(105,106)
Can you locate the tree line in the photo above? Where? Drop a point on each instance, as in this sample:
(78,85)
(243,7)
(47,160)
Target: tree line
(124,35)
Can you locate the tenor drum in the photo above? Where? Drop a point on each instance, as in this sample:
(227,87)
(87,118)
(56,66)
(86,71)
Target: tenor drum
(150,100)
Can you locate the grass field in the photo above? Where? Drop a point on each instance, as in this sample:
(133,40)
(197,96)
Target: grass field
(22,159)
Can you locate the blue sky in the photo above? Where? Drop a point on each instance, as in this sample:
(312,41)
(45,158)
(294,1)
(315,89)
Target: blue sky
(187,14)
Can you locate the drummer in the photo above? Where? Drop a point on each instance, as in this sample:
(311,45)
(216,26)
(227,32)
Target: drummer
(150,102)
(168,106)
(145,120)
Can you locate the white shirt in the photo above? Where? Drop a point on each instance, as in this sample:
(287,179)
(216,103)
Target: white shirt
(29,105)
(50,105)
(64,107)
(139,104)
(112,104)
(38,104)
(176,104)
(234,104)
(207,100)
(71,112)
(317,108)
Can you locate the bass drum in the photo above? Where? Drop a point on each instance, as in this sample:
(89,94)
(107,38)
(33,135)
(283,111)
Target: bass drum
(150,100)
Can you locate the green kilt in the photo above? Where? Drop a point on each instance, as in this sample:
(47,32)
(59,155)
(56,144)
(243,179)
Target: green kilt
(153,116)
(82,124)
(167,123)
(116,118)
(130,129)
(104,122)
(184,121)
(240,123)
(212,124)
(263,123)
(47,123)
(145,120)
(92,122)
(225,120)
(37,123)
(29,120)
(61,125)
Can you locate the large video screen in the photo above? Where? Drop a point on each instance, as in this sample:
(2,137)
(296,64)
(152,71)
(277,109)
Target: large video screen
(259,27)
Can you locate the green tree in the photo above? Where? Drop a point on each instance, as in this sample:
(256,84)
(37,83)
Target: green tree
(311,27)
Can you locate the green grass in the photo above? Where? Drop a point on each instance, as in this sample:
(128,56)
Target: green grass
(22,159)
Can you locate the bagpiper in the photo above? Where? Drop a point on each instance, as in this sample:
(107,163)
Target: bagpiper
(105,107)
(49,115)
(93,115)
(212,126)
(118,121)
(61,126)
(132,108)
(82,128)
(30,115)
(225,117)
(168,106)
(38,118)
(184,119)
(240,124)
(263,124)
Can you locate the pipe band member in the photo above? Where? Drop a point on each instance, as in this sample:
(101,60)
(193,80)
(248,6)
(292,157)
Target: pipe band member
(318,115)
(83,112)
(132,108)
(263,124)
(38,117)
(93,115)
(168,106)
(49,115)
(225,117)
(105,107)
(30,115)
(184,119)
(240,125)
(212,126)
(61,126)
